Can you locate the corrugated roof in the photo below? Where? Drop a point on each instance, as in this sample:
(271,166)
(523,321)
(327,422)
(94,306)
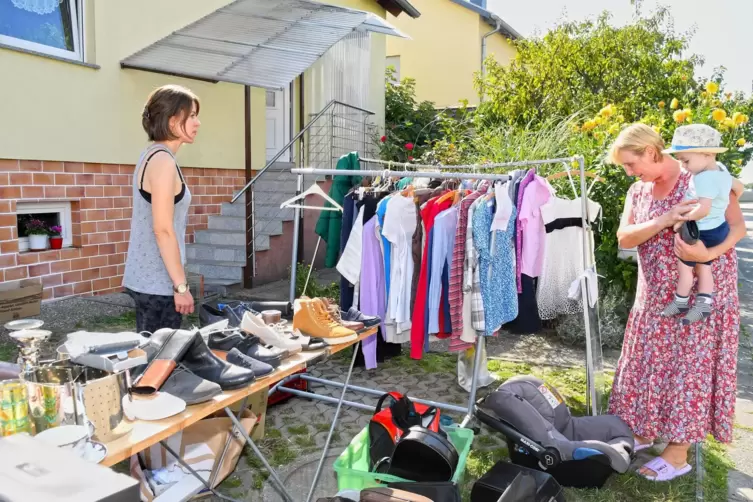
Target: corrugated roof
(261,43)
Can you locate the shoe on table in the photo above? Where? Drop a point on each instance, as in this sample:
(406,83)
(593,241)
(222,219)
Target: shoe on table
(248,345)
(190,388)
(254,325)
(259,368)
(334,312)
(201,361)
(353,314)
(312,319)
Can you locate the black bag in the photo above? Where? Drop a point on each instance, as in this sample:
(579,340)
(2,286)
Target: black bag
(441,491)
(388,425)
(422,455)
(506,482)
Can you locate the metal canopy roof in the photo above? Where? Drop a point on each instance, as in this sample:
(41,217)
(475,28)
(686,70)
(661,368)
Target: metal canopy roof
(261,43)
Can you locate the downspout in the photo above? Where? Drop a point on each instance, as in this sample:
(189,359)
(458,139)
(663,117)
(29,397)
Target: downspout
(483,54)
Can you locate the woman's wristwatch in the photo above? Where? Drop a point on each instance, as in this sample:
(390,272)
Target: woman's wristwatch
(181,289)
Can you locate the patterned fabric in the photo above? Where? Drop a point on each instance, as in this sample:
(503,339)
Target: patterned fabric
(673,382)
(519,228)
(155,312)
(473,278)
(457,270)
(496,255)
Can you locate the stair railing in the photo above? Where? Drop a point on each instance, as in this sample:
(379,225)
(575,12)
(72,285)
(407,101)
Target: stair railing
(331,146)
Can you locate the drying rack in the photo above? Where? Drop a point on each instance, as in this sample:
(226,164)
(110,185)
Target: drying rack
(590,314)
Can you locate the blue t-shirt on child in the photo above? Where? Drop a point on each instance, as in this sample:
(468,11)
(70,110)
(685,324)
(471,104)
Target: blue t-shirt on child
(714,185)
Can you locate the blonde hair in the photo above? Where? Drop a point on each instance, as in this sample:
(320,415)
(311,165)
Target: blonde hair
(636,139)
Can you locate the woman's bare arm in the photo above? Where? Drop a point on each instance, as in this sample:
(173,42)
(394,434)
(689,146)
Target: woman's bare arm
(162,176)
(632,234)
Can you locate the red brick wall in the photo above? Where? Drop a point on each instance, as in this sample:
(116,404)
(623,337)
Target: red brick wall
(100,196)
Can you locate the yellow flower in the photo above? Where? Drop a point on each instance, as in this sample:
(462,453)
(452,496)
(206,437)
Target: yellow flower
(607,111)
(589,125)
(739,118)
(681,116)
(574,163)
(656,129)
(712,87)
(662,104)
(704,94)
(741,142)
(718,114)
(620,119)
(614,129)
(674,104)
(728,123)
(739,162)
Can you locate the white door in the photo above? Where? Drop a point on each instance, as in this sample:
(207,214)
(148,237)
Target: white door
(278,127)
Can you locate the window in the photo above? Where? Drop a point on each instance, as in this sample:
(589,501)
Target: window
(48,26)
(52,213)
(394,63)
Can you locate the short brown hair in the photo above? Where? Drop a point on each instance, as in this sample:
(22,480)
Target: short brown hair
(164,103)
(636,139)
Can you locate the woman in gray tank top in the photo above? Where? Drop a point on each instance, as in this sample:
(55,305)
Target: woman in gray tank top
(155,274)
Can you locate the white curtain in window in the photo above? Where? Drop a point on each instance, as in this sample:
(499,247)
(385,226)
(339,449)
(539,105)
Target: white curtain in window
(40,7)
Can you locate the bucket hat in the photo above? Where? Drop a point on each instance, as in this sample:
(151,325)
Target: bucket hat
(696,138)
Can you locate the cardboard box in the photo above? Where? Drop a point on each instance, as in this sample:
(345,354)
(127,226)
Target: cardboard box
(20,299)
(257,403)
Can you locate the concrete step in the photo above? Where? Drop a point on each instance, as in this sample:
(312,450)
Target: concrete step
(228,223)
(219,286)
(236,254)
(237,210)
(274,184)
(268,226)
(231,238)
(273,212)
(213,270)
(281,166)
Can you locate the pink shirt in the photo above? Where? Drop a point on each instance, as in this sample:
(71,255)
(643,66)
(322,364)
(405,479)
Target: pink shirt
(537,193)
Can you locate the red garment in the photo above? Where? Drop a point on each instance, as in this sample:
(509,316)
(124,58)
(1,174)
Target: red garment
(418,322)
(672,382)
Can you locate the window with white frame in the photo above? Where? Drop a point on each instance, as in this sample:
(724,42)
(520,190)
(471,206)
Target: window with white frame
(53,27)
(51,213)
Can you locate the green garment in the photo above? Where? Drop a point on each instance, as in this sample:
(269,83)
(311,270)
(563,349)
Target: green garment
(330,223)
(403,183)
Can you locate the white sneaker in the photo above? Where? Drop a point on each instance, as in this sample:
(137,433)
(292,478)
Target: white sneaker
(254,325)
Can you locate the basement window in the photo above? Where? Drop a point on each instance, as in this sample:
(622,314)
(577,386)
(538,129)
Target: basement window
(52,213)
(53,27)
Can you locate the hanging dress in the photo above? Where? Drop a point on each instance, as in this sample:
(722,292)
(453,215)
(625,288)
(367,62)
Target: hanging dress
(563,255)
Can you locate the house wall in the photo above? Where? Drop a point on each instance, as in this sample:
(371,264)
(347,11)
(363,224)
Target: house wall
(497,46)
(444,52)
(72,133)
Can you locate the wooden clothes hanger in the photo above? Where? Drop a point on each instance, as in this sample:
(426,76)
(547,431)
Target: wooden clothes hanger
(314,189)
(574,172)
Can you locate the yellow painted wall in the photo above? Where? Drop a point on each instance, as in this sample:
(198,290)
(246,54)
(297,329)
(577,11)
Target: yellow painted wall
(444,52)
(497,45)
(53,110)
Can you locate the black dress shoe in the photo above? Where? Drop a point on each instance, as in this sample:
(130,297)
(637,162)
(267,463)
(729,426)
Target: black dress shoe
(259,368)
(356,315)
(200,361)
(248,345)
(209,315)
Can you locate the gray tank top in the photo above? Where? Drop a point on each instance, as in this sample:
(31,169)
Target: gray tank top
(145,272)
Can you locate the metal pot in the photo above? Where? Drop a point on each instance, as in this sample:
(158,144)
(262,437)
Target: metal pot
(66,393)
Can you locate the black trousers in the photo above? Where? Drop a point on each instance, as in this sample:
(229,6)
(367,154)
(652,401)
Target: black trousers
(155,312)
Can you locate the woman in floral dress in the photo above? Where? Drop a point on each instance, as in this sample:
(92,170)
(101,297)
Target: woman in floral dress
(673,382)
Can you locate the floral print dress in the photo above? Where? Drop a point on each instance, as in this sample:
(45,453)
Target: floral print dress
(673,382)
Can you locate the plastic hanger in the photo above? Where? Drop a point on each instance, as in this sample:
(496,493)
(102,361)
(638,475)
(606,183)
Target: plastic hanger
(575,172)
(314,189)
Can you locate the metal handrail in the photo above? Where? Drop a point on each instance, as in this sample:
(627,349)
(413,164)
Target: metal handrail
(292,142)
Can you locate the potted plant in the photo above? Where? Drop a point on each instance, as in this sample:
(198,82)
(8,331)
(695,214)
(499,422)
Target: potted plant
(56,237)
(37,232)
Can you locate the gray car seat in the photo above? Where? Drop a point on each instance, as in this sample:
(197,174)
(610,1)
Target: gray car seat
(536,421)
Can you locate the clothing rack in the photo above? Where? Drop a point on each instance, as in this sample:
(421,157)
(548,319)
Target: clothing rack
(590,315)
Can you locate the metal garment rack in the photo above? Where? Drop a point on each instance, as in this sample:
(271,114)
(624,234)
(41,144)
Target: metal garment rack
(590,315)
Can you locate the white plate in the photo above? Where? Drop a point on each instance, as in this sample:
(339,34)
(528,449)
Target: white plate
(23,324)
(161,405)
(95,452)
(30,333)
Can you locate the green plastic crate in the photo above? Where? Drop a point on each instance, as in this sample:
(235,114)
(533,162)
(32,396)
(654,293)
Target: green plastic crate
(352,466)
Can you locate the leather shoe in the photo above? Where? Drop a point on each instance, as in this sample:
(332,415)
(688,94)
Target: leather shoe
(248,345)
(171,345)
(259,368)
(210,315)
(355,315)
(200,361)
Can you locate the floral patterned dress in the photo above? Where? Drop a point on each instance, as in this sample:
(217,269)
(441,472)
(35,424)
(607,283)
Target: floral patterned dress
(673,382)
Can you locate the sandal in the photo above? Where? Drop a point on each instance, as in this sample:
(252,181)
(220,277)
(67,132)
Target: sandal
(664,470)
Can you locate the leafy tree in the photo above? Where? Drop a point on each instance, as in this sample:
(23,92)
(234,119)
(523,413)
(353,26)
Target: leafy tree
(582,66)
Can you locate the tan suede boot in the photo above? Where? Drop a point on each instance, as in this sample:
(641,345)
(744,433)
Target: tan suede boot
(311,319)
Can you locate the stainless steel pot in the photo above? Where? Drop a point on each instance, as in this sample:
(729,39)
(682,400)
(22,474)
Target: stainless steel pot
(66,393)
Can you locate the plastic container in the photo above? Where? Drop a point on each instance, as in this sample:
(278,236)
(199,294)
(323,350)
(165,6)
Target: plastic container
(352,466)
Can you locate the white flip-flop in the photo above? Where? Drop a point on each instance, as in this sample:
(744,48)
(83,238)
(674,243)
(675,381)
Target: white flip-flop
(664,470)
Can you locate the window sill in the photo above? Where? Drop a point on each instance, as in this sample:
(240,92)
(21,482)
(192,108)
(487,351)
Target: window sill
(50,56)
(30,252)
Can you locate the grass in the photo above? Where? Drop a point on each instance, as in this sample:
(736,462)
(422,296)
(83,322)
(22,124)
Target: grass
(298,430)
(307,441)
(8,352)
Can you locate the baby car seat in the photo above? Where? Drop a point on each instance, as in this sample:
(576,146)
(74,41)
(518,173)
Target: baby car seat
(580,452)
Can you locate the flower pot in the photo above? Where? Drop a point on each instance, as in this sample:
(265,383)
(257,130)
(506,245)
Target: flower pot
(56,242)
(37,242)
